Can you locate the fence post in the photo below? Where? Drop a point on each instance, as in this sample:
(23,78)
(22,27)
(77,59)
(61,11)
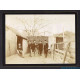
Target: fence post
(66,52)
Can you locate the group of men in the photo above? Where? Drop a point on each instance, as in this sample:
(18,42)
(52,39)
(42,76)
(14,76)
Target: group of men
(40,47)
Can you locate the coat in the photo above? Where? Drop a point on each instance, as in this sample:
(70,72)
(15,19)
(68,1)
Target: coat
(40,46)
(45,47)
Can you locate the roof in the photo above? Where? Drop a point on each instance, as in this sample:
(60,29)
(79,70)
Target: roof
(23,34)
(66,34)
(37,38)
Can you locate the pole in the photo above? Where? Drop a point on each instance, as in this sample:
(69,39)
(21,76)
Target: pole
(63,34)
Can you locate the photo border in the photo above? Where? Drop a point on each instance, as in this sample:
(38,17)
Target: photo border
(38,12)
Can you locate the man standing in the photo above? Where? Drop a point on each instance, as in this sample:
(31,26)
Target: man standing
(45,48)
(29,47)
(40,48)
(33,47)
(19,49)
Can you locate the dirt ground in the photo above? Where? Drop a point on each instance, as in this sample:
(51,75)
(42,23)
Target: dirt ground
(37,59)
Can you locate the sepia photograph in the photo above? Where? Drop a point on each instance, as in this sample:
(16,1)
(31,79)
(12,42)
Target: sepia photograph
(40,39)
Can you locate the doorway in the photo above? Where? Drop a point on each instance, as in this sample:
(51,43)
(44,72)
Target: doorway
(19,43)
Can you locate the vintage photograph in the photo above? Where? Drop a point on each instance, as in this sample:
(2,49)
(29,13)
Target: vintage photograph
(40,39)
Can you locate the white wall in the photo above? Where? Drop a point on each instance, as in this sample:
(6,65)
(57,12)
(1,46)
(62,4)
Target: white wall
(25,46)
(51,41)
(11,43)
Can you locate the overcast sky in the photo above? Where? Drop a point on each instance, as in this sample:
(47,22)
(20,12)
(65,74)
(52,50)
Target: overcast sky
(53,23)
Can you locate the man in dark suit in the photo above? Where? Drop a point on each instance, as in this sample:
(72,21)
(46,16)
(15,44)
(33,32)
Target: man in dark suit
(33,47)
(45,48)
(29,47)
(40,48)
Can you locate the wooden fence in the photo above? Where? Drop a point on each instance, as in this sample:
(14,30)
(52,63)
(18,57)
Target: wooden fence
(64,48)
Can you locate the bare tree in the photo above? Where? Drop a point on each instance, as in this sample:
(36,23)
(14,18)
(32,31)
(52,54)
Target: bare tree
(41,22)
(37,20)
(24,24)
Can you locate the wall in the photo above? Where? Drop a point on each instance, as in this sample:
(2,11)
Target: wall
(51,41)
(11,43)
(25,46)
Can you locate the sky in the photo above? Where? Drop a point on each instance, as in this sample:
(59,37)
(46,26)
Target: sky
(52,23)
